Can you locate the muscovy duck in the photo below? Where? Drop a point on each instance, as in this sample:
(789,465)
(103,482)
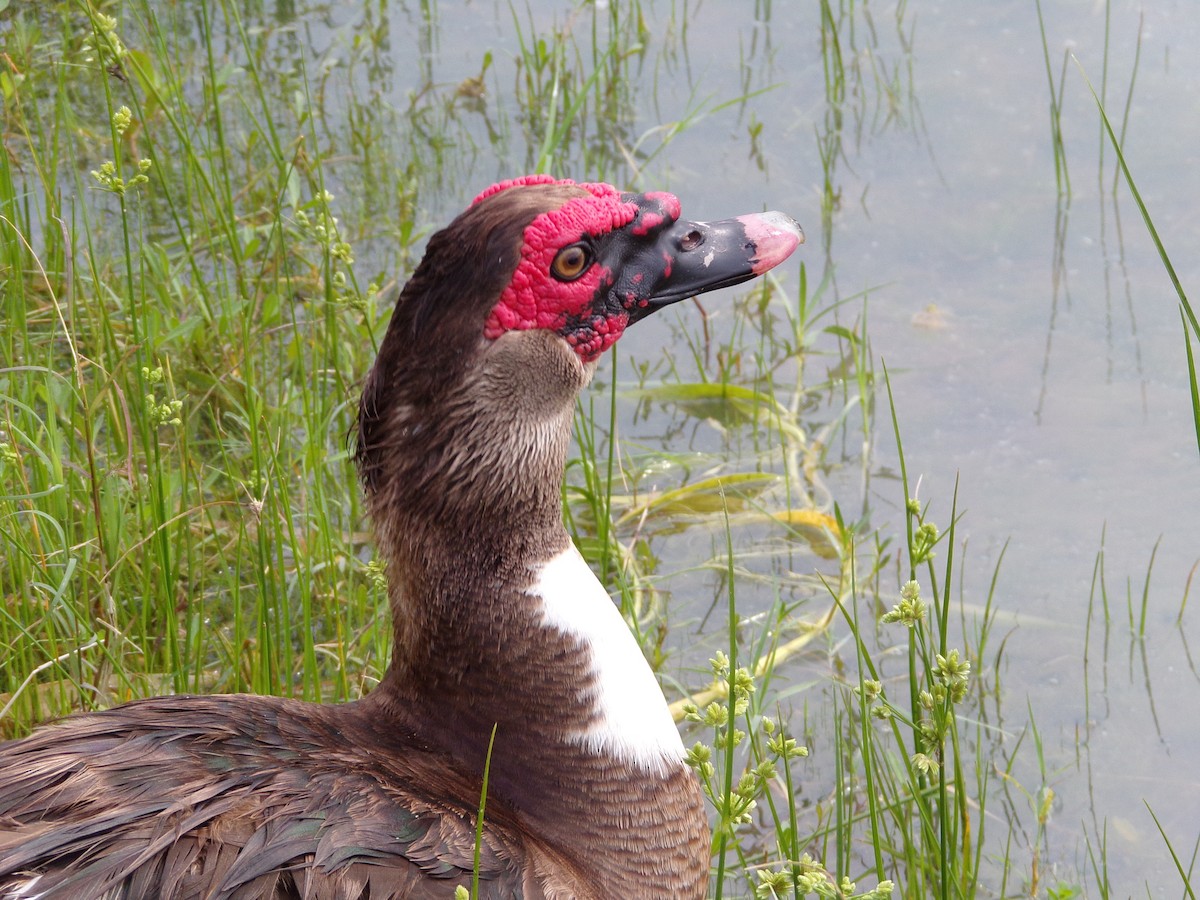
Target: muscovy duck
(462,438)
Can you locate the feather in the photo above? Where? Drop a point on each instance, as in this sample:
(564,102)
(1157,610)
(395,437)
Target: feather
(248,800)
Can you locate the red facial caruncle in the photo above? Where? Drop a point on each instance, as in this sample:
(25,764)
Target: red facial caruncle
(575,307)
(601,259)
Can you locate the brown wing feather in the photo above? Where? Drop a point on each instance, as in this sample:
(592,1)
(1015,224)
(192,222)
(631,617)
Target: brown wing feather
(246,797)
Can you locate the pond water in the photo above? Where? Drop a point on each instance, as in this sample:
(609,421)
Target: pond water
(1033,337)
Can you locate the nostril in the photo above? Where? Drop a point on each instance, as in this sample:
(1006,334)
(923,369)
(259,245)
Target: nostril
(691,240)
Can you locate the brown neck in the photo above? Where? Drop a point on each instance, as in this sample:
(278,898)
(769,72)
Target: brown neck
(467,504)
(467,501)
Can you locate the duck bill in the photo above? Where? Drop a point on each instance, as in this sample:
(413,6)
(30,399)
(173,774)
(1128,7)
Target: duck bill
(705,256)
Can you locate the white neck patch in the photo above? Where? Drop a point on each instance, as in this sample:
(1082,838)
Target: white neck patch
(634,723)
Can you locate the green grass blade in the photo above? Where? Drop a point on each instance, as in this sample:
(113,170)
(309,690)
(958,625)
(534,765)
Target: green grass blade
(1193,384)
(487,768)
(1187,883)
(1185,307)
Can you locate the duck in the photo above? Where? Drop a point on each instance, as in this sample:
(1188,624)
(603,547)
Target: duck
(509,655)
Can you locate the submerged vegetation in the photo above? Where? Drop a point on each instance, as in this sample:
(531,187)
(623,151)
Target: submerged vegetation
(205,214)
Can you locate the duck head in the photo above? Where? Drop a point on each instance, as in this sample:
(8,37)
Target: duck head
(515,301)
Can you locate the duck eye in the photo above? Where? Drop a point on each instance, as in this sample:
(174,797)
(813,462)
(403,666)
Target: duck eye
(571,262)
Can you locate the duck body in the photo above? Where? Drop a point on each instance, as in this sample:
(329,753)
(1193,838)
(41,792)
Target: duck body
(247,796)
(500,627)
